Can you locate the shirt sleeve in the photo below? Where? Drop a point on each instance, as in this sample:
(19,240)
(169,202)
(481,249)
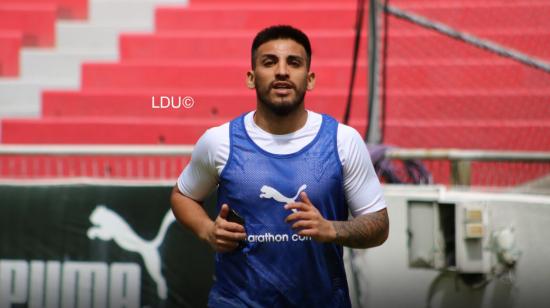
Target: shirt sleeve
(200,177)
(362,187)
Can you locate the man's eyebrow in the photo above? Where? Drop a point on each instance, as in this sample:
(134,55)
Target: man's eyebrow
(268,56)
(295,57)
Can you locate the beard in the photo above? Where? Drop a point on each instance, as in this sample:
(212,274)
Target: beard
(280,106)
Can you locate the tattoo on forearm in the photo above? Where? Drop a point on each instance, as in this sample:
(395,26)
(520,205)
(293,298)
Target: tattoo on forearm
(363,231)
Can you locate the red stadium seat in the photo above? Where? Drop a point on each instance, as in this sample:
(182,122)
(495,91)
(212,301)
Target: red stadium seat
(10,45)
(36,22)
(66,9)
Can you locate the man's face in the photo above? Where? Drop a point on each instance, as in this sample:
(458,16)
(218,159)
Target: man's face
(281,76)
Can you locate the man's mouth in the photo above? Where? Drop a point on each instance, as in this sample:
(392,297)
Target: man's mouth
(282,88)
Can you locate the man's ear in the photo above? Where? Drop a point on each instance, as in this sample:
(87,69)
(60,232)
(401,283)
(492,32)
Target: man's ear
(310,81)
(250,78)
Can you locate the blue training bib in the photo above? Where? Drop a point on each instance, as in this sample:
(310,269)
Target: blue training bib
(277,267)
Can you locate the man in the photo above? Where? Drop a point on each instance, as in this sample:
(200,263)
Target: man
(291,175)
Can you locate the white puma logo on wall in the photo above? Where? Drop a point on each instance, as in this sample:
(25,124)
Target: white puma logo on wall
(108,225)
(270,192)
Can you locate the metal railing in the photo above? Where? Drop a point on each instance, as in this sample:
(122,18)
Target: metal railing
(167,161)
(95,161)
(461,160)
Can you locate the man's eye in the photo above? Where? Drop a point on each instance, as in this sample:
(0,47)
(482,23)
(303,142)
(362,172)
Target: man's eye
(268,62)
(295,63)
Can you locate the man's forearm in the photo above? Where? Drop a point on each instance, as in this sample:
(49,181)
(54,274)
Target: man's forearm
(363,231)
(190,213)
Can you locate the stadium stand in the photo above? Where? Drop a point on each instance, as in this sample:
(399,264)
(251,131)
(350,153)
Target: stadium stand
(77,40)
(439,92)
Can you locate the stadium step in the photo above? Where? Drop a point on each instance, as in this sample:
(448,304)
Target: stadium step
(405,74)
(470,16)
(521,135)
(65,9)
(255,17)
(473,16)
(109,12)
(104,130)
(111,130)
(464,74)
(170,46)
(87,36)
(428,44)
(35,21)
(422,105)
(76,41)
(108,19)
(230,45)
(20,98)
(43,64)
(200,75)
(10,46)
(501,104)
(206,104)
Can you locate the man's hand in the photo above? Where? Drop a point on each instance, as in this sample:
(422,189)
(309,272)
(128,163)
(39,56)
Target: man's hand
(308,221)
(363,231)
(224,236)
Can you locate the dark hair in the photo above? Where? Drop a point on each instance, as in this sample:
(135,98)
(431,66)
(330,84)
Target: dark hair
(281,32)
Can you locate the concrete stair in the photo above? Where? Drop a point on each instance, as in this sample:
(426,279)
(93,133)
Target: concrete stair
(72,43)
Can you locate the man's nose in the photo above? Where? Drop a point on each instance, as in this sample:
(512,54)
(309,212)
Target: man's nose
(282,70)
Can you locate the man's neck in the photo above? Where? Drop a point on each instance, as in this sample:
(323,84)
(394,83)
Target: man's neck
(280,125)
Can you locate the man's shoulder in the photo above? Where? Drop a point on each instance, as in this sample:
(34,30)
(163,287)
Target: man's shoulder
(347,133)
(219,129)
(343,129)
(215,136)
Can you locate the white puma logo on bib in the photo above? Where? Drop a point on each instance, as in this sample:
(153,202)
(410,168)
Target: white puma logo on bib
(108,225)
(269,192)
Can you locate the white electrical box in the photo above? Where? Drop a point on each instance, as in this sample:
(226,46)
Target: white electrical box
(449,236)
(472,238)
